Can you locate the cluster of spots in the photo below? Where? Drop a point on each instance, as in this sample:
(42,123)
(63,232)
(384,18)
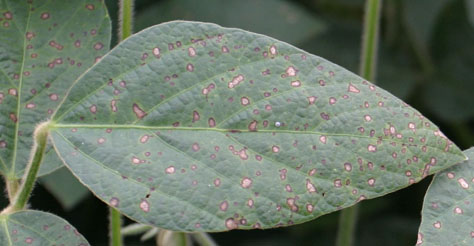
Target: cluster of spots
(190,67)
(196,116)
(30,106)
(231,224)
(144,138)
(325,116)
(156,52)
(463,183)
(241,153)
(44,15)
(90,6)
(246,182)
(236,81)
(113,105)
(170,170)
(114,202)
(253,126)
(223,206)
(323,139)
(275,149)
(101,140)
(195,147)
(348,166)
(138,111)
(144,206)
(273,50)
(208,89)
(312,100)
(371,182)
(211,122)
(191,52)
(136,160)
(310,186)
(295,83)
(245,101)
(352,88)
(372,148)
(58,46)
(98,46)
(217,182)
(93,109)
(8,16)
(290,72)
(292,204)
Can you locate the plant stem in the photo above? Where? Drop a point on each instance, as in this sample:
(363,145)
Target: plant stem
(347,226)
(23,194)
(203,239)
(115,227)
(125,18)
(368,62)
(368,59)
(125,30)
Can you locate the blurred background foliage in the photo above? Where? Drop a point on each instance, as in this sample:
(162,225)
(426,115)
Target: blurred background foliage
(425,57)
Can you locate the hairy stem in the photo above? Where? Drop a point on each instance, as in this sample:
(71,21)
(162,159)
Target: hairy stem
(368,62)
(347,226)
(370,34)
(125,18)
(125,30)
(115,227)
(28,181)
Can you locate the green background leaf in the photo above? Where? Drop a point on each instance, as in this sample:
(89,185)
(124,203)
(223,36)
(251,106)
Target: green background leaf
(200,127)
(64,187)
(448,212)
(453,80)
(31,227)
(281,19)
(44,47)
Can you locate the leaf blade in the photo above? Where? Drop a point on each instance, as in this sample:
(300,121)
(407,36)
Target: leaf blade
(39,228)
(268,135)
(42,51)
(447,214)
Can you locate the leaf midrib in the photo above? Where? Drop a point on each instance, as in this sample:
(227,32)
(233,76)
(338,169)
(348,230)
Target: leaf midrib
(5,226)
(20,87)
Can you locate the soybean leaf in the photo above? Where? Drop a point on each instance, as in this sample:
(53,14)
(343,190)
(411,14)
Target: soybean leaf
(194,127)
(448,95)
(281,19)
(470,11)
(448,212)
(29,227)
(64,187)
(340,43)
(44,47)
(420,20)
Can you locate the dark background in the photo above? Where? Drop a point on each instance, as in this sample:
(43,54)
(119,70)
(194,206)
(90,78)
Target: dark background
(425,57)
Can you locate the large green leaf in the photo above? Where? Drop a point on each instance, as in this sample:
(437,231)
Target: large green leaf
(281,19)
(448,209)
(44,47)
(31,227)
(191,126)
